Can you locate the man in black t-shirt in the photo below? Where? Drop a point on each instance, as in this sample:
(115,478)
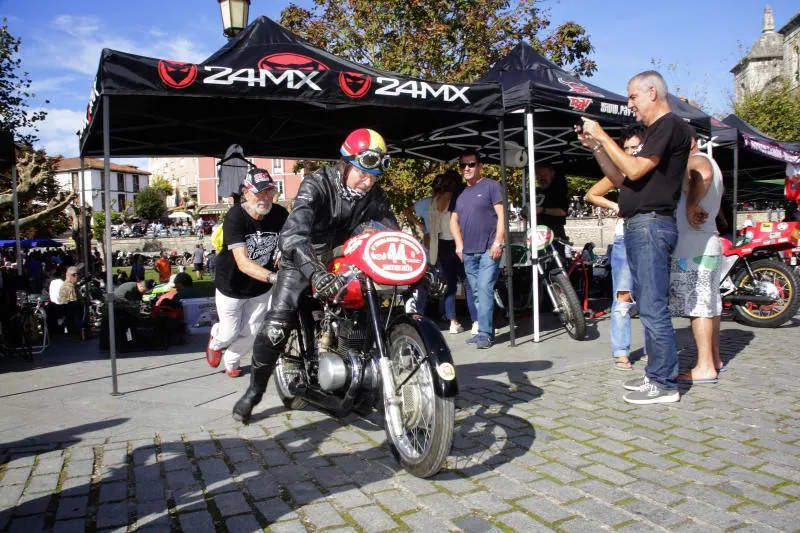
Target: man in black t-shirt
(650,187)
(245,270)
(551,211)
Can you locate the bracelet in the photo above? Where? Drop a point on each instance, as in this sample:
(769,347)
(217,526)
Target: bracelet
(497,245)
(597,148)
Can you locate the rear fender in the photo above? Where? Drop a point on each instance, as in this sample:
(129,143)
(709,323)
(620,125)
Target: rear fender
(439,357)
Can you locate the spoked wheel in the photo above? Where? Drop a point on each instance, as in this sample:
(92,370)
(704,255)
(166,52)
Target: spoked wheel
(427,419)
(773,279)
(570,312)
(288,370)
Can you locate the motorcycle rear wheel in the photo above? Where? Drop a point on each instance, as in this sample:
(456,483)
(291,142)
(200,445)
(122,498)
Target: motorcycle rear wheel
(427,418)
(768,316)
(286,365)
(571,313)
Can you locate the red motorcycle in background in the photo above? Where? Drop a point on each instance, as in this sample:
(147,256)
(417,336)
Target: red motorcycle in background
(349,355)
(757,285)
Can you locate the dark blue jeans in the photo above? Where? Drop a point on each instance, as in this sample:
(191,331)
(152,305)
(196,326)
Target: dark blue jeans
(482,272)
(649,242)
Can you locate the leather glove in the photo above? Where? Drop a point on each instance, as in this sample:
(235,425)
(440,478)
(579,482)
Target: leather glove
(325,284)
(435,283)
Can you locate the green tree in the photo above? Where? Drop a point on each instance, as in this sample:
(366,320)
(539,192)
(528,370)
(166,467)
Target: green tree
(453,42)
(15,91)
(99,223)
(775,111)
(161,183)
(149,204)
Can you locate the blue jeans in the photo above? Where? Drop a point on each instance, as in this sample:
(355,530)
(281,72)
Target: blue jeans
(482,272)
(649,242)
(621,281)
(452,269)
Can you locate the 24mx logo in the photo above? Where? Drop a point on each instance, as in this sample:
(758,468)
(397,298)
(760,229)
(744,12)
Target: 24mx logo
(292,79)
(420,90)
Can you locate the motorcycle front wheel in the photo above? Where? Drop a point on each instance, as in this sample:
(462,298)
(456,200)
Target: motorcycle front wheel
(771,278)
(427,418)
(570,312)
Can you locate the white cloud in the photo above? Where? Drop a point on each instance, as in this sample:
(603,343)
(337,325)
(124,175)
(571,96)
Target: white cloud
(56,83)
(57,131)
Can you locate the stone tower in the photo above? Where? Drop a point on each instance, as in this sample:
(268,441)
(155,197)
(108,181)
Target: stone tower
(764,63)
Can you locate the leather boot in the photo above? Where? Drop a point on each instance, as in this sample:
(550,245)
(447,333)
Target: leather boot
(259,375)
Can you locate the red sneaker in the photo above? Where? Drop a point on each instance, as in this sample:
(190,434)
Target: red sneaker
(213,356)
(235,373)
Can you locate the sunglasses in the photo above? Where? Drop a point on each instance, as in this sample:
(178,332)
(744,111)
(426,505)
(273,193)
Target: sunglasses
(371,160)
(471,164)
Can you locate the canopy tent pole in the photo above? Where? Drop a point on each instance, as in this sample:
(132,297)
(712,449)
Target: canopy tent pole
(84,229)
(112,345)
(532,218)
(501,133)
(15,201)
(734,224)
(524,189)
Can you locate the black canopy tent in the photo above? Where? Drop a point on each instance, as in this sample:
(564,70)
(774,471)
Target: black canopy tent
(269,91)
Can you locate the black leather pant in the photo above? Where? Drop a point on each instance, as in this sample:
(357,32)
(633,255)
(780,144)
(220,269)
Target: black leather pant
(278,323)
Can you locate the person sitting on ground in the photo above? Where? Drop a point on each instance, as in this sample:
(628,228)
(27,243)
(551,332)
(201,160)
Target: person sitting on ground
(130,293)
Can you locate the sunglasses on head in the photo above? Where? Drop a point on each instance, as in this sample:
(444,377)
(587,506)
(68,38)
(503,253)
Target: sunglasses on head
(471,164)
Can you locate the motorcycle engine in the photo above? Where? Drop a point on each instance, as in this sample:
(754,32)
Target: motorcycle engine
(351,333)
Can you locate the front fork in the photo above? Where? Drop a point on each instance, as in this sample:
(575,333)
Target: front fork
(391,400)
(540,261)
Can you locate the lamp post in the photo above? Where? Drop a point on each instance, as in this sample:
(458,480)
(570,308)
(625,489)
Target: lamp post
(234,16)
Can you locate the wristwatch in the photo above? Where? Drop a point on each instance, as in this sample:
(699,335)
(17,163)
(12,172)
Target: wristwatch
(498,245)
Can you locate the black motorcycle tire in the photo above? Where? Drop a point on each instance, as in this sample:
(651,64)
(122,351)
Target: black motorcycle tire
(745,314)
(289,400)
(442,409)
(571,313)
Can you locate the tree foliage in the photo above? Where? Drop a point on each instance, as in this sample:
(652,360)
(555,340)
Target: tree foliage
(452,42)
(15,91)
(150,204)
(99,223)
(161,183)
(775,111)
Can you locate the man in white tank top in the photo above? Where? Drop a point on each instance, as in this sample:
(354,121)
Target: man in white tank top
(696,264)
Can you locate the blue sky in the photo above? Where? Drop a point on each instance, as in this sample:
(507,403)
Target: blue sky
(62,42)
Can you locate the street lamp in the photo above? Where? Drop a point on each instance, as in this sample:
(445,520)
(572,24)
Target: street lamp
(234,16)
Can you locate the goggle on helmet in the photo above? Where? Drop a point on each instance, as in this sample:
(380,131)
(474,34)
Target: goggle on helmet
(365,149)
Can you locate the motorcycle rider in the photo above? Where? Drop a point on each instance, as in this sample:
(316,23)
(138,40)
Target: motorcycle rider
(330,204)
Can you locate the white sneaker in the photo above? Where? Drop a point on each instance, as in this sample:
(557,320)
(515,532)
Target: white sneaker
(475,328)
(456,328)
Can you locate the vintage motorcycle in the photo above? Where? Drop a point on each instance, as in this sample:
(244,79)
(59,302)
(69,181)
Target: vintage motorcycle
(757,285)
(553,278)
(348,355)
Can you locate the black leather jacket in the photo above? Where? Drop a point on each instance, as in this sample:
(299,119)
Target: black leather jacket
(323,219)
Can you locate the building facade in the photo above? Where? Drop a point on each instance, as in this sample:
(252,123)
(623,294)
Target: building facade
(195,180)
(126,182)
(774,56)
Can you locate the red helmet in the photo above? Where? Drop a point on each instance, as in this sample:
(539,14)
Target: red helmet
(366,149)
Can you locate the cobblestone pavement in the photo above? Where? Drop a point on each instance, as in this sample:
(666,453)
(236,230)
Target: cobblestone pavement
(543,442)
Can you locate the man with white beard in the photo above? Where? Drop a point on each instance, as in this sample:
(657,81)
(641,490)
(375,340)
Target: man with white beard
(245,270)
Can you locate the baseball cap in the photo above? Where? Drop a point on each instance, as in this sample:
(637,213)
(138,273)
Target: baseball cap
(259,180)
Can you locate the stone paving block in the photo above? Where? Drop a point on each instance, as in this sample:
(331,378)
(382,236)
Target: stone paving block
(216,475)
(275,510)
(72,507)
(15,476)
(396,501)
(748,476)
(424,521)
(49,466)
(444,505)
(602,491)
(657,514)
(751,492)
(27,524)
(188,499)
(689,434)
(611,446)
(554,491)
(372,518)
(304,492)
(701,461)
(456,484)
(76,486)
(519,521)
(545,509)
(349,496)
(261,487)
(560,472)
(70,526)
(231,504)
(610,460)
(292,526)
(242,524)
(115,457)
(152,514)
(144,455)
(113,492)
(32,504)
(652,459)
(709,495)
(579,525)
(657,493)
(199,522)
(323,515)
(695,475)
(609,474)
(506,489)
(475,524)
(180,479)
(598,511)
(114,473)
(576,434)
(703,513)
(21,461)
(112,514)
(82,453)
(777,519)
(204,449)
(154,528)
(43,483)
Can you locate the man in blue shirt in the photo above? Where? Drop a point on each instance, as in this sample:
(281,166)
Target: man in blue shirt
(478,228)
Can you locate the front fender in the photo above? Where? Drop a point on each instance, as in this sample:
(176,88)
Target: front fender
(438,352)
